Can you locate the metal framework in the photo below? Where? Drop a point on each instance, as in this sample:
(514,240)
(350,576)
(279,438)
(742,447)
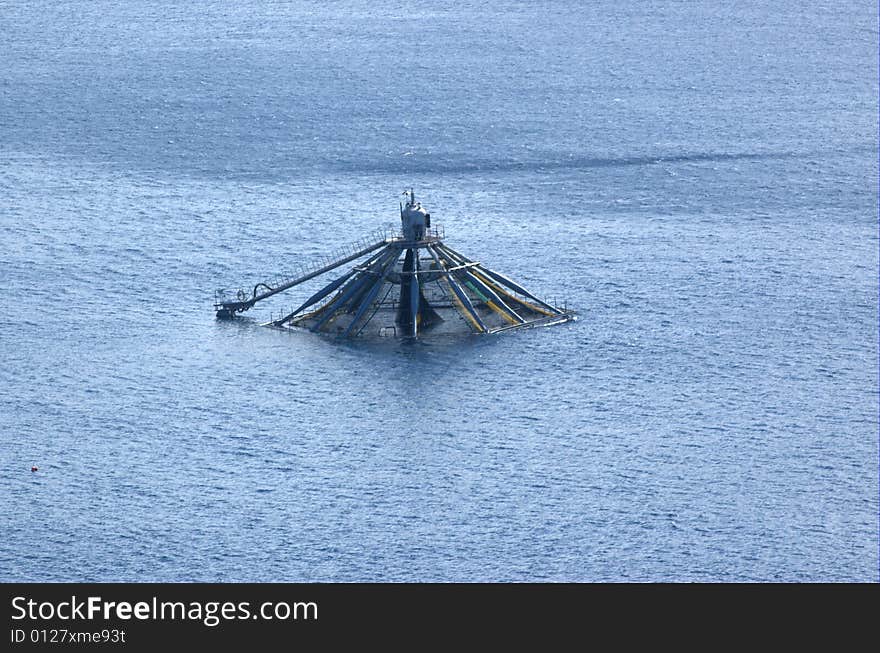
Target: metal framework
(406,284)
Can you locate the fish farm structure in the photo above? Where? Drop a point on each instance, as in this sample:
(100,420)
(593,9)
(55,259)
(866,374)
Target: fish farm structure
(404,284)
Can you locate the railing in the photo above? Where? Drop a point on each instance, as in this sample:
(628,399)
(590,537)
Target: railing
(221,295)
(387,234)
(434,233)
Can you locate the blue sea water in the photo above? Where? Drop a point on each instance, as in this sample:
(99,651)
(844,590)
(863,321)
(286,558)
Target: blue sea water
(699,180)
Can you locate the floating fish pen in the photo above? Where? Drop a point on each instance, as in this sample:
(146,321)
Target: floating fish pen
(404,284)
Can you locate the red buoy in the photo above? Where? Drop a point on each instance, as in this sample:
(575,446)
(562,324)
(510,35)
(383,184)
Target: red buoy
(34,468)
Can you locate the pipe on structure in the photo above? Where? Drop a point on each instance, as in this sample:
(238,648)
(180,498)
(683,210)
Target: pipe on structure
(492,300)
(349,291)
(468,308)
(414,290)
(509,283)
(371,295)
(229,309)
(326,290)
(413,310)
(493,280)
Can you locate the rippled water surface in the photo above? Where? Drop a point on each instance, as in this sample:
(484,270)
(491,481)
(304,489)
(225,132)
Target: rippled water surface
(699,181)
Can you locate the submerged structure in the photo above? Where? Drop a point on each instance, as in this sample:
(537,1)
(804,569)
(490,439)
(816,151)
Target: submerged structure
(406,284)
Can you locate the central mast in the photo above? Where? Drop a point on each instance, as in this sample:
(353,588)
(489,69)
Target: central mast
(413,310)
